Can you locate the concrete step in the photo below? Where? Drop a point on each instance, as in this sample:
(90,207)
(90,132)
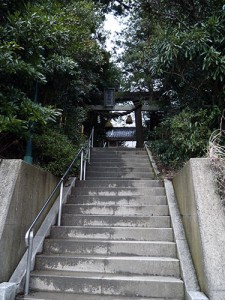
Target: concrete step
(120,191)
(119,155)
(119,184)
(112,221)
(121,159)
(120,170)
(116,210)
(126,175)
(124,160)
(118,200)
(118,150)
(121,178)
(107,284)
(113,233)
(127,265)
(121,149)
(115,164)
(70,296)
(105,247)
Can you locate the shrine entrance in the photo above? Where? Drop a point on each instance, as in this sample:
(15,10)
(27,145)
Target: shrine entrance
(125,104)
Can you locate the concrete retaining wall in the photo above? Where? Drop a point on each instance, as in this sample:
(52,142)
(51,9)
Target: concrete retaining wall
(204,223)
(23,191)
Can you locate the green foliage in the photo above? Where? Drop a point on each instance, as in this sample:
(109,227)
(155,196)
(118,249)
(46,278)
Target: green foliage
(117,6)
(50,38)
(177,46)
(59,46)
(184,136)
(21,114)
(54,152)
(73,118)
(175,51)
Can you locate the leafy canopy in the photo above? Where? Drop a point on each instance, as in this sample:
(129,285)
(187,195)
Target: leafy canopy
(57,44)
(177,46)
(52,62)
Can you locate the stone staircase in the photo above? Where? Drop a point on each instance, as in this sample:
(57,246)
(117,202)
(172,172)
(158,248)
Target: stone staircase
(116,240)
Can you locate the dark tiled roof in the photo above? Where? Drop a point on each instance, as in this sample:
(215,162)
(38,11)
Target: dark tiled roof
(121,133)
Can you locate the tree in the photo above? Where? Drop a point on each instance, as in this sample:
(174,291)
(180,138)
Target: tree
(53,52)
(178,46)
(177,49)
(117,6)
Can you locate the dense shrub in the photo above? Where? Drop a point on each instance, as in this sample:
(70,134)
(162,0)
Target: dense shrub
(184,136)
(53,151)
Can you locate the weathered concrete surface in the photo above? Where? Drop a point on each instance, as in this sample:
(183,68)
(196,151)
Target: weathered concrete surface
(192,290)
(18,276)
(204,222)
(7,291)
(23,191)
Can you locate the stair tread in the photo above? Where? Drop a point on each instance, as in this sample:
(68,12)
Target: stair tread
(139,187)
(112,241)
(113,233)
(117,210)
(113,178)
(121,168)
(118,180)
(128,175)
(108,258)
(113,216)
(108,171)
(71,296)
(122,188)
(113,228)
(133,196)
(115,206)
(109,276)
(115,220)
(138,190)
(102,264)
(117,196)
(118,183)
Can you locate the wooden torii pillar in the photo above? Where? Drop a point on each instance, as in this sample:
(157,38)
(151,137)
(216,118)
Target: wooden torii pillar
(138,121)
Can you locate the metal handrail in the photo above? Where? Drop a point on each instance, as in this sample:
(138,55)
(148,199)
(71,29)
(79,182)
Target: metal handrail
(84,154)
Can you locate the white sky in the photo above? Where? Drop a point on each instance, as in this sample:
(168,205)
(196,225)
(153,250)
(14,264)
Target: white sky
(113,25)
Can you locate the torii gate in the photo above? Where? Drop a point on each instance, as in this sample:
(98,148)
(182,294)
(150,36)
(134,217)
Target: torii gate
(142,101)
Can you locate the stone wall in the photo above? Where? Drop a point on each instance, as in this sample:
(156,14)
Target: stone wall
(23,191)
(203,217)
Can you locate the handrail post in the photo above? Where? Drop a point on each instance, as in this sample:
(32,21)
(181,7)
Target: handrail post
(29,240)
(60,204)
(81,164)
(89,152)
(85,166)
(92,138)
(90,145)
